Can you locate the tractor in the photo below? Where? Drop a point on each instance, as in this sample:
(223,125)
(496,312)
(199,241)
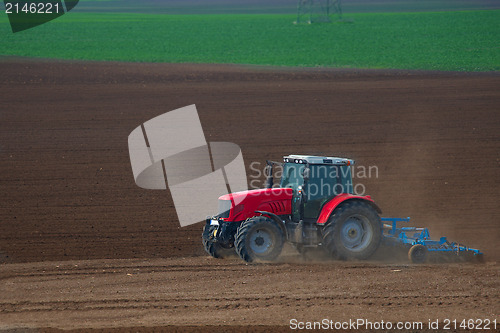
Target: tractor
(313,207)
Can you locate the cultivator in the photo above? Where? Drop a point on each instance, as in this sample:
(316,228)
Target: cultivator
(420,244)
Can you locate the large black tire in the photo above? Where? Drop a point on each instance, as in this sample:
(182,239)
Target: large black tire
(353,231)
(259,238)
(216,250)
(417,254)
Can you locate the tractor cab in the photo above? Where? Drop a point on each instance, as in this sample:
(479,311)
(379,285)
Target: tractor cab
(315,180)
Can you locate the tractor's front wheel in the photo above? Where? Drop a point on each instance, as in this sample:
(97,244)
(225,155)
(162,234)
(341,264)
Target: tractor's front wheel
(215,249)
(259,238)
(353,231)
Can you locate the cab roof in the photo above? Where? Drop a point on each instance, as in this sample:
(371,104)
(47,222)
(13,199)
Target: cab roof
(327,160)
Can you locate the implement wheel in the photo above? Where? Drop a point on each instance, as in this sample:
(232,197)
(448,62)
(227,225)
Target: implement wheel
(417,254)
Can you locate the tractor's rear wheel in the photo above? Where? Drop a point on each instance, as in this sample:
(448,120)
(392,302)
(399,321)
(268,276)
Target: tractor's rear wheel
(354,231)
(259,238)
(215,249)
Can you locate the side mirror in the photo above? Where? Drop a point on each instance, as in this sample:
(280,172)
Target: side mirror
(268,171)
(305,173)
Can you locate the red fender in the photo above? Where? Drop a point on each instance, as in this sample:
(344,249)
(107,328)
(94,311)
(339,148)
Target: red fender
(330,206)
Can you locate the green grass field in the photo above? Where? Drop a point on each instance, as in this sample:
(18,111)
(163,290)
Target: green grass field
(457,41)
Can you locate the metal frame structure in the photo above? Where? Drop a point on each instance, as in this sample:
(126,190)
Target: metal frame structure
(309,11)
(394,235)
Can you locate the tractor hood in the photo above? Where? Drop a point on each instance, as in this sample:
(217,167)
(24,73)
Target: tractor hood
(244,204)
(275,193)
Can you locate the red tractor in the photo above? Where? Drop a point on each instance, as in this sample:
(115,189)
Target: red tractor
(314,206)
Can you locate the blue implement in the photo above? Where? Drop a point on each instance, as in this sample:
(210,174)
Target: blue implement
(421,242)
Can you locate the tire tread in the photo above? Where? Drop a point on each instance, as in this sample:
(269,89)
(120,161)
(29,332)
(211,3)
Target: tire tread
(330,231)
(242,233)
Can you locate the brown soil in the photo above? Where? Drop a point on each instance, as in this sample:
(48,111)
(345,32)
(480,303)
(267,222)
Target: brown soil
(68,200)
